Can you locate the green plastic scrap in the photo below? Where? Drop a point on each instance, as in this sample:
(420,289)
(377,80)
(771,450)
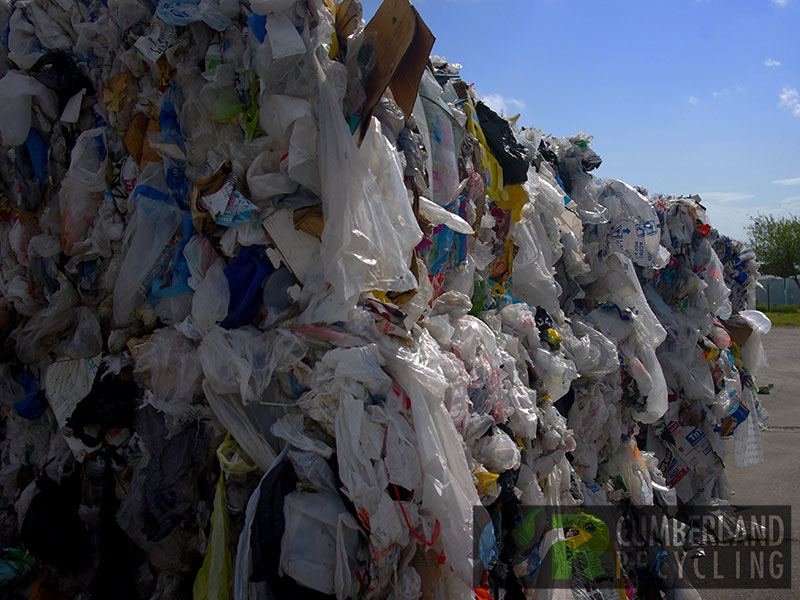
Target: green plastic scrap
(249,117)
(14,563)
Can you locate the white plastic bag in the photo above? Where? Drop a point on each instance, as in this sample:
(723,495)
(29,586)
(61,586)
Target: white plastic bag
(35,338)
(169,364)
(361,249)
(237,421)
(244,360)
(634,229)
(210,301)
(290,429)
(747,448)
(448,490)
(533,274)
(317,525)
(17,91)
(264,178)
(498,452)
(86,339)
(289,121)
(753,354)
(384,163)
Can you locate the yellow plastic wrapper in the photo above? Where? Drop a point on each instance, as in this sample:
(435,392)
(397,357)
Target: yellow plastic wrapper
(515,197)
(486,481)
(491,168)
(510,197)
(214,580)
(232,459)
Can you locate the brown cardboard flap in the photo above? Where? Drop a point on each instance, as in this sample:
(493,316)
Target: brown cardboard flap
(402,43)
(738,333)
(310,220)
(405,83)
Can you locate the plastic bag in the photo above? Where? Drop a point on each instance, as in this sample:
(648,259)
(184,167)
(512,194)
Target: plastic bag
(243,361)
(79,196)
(437,215)
(443,170)
(265,180)
(155,220)
(635,474)
(168,362)
(753,354)
(34,339)
(533,273)
(86,340)
(17,91)
(747,447)
(290,428)
(210,301)
(319,542)
(199,255)
(237,419)
(498,452)
(245,275)
(646,370)
(593,353)
(511,155)
(622,287)
(717,293)
(634,228)
(361,249)
(448,490)
(214,580)
(313,470)
(290,122)
(383,162)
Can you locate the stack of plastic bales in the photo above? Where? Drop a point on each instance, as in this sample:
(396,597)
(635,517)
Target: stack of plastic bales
(285,306)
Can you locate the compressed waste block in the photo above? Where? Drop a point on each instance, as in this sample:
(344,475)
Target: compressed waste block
(286,310)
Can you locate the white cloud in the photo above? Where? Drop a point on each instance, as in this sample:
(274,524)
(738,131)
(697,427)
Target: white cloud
(791,202)
(771,62)
(694,100)
(726,197)
(732,220)
(780,2)
(724,93)
(789,181)
(789,99)
(501,104)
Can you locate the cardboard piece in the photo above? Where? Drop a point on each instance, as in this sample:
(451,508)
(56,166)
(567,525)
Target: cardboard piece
(402,43)
(310,220)
(739,333)
(297,248)
(136,142)
(201,218)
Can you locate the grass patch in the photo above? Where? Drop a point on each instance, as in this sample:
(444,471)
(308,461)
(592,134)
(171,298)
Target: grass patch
(789,309)
(782,319)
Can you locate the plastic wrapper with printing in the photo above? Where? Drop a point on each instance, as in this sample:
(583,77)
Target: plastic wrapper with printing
(285,305)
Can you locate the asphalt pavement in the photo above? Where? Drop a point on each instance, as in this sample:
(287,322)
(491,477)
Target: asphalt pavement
(777,481)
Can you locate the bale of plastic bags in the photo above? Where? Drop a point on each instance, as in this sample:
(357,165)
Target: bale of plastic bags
(288,309)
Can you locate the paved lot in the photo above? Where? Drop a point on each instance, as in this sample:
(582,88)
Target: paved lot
(777,481)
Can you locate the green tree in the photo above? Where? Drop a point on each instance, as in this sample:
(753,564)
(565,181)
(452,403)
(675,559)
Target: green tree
(776,242)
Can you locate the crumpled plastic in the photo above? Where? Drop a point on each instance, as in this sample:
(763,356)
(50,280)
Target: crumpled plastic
(243,301)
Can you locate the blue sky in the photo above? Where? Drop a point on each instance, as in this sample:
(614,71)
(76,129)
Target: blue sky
(681,96)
